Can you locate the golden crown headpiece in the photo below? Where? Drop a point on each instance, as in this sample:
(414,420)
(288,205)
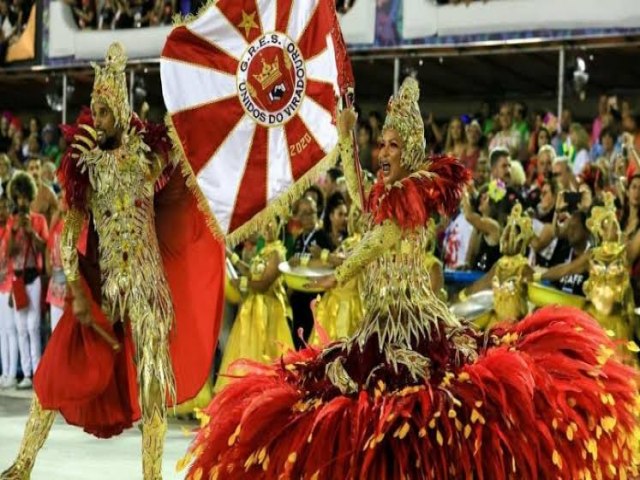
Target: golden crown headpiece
(110,84)
(270,73)
(603,222)
(517,232)
(403,115)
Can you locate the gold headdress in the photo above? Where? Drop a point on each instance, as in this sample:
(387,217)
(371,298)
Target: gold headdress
(603,222)
(110,85)
(517,232)
(403,115)
(608,284)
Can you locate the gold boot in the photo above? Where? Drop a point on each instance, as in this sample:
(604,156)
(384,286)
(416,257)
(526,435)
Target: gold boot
(153,432)
(35,433)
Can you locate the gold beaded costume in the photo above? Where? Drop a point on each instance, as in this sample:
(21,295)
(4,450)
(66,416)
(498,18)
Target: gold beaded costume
(132,218)
(417,393)
(608,289)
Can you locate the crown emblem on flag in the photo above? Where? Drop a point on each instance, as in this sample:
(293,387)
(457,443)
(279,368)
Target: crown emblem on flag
(270,73)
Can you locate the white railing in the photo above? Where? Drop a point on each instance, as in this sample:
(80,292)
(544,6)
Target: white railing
(67,40)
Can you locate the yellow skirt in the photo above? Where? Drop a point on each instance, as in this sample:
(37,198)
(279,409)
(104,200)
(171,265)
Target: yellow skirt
(260,332)
(199,401)
(339,312)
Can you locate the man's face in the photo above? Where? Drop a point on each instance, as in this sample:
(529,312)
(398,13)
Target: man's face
(608,143)
(34,168)
(308,215)
(547,198)
(560,172)
(4,123)
(48,137)
(502,169)
(104,123)
(22,203)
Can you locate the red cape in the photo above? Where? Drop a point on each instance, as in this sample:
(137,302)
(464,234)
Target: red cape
(94,387)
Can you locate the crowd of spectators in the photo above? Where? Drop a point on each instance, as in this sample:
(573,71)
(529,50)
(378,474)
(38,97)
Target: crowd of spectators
(548,164)
(557,168)
(14,15)
(116,14)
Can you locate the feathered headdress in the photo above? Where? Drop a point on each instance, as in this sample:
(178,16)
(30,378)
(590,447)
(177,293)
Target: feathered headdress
(403,115)
(110,84)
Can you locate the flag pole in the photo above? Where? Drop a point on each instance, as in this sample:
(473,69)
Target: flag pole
(348,101)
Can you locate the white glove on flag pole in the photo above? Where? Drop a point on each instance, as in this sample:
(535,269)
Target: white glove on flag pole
(251,87)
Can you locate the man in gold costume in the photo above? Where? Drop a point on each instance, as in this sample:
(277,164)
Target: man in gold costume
(133,233)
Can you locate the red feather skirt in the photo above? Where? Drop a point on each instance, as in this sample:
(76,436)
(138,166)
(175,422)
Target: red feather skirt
(546,398)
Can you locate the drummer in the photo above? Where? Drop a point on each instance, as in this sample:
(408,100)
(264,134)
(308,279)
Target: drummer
(312,235)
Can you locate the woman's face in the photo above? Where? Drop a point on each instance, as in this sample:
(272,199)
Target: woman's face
(634,193)
(544,163)
(574,137)
(390,156)
(339,217)
(543,138)
(474,135)
(455,130)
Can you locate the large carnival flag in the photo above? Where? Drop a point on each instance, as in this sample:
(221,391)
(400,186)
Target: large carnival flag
(251,87)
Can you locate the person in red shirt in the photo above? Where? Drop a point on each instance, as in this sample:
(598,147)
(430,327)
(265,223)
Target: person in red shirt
(28,234)
(57,282)
(8,333)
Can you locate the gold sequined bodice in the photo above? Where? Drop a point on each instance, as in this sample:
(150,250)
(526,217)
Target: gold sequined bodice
(122,192)
(401,307)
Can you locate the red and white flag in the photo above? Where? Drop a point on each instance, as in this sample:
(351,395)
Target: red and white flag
(251,88)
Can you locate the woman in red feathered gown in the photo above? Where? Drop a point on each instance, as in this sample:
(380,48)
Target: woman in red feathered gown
(416,393)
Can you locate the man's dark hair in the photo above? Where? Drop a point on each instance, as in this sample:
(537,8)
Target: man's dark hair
(318,192)
(334,174)
(607,132)
(495,156)
(366,127)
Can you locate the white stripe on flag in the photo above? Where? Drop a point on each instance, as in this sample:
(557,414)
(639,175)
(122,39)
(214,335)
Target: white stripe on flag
(267,12)
(220,178)
(193,85)
(214,27)
(301,13)
(318,122)
(323,68)
(279,176)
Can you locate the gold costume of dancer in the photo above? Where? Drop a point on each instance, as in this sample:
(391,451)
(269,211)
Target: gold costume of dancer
(341,309)
(261,329)
(511,272)
(608,289)
(134,287)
